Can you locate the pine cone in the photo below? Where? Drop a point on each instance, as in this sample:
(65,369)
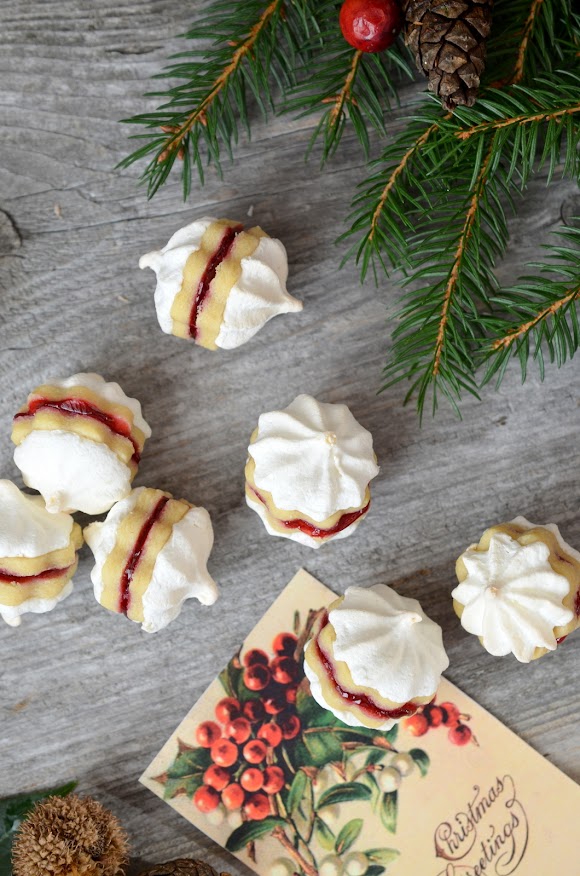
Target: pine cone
(183,867)
(448,38)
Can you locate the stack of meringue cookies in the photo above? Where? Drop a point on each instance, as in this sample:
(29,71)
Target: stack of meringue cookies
(79,441)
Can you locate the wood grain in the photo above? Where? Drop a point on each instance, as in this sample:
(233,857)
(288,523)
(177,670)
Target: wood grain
(84,694)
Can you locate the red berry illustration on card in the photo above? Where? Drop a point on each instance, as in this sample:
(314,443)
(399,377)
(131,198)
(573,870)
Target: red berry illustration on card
(269,762)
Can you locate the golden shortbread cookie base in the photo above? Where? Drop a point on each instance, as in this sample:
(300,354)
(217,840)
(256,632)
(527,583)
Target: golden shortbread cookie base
(127,536)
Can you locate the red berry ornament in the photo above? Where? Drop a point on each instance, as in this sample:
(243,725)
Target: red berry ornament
(273,779)
(417,725)
(460,735)
(224,753)
(206,799)
(208,733)
(257,807)
(370,25)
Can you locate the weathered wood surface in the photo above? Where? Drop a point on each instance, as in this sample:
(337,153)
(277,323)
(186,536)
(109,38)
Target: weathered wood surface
(85,694)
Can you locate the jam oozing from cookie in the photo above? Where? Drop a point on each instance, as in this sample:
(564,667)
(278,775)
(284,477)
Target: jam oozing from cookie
(136,554)
(79,407)
(47,575)
(310,528)
(215,260)
(364,702)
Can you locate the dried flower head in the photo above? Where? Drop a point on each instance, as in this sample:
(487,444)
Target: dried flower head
(69,836)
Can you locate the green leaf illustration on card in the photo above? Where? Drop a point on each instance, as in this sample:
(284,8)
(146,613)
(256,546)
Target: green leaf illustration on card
(374,756)
(388,811)
(186,763)
(374,870)
(297,790)
(421,758)
(251,831)
(13,810)
(344,793)
(323,834)
(348,835)
(303,814)
(382,856)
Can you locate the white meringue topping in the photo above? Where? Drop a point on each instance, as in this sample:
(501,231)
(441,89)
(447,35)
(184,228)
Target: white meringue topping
(180,570)
(388,643)
(26,527)
(313,457)
(259,294)
(512,597)
(72,472)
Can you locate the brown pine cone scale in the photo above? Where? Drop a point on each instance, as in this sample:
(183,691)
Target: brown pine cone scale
(448,38)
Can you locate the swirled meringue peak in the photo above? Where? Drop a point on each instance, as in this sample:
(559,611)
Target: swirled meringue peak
(218,284)
(375,657)
(78,442)
(38,554)
(313,457)
(518,588)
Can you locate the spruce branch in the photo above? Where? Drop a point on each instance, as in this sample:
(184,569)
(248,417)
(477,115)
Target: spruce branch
(460,254)
(435,211)
(252,45)
(345,84)
(539,313)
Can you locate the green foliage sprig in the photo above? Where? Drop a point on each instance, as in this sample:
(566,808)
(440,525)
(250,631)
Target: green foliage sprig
(434,208)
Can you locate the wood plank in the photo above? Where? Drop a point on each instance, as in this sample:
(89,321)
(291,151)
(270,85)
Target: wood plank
(85,694)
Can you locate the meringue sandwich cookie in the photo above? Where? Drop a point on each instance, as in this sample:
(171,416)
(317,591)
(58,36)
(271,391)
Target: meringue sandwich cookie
(308,471)
(38,554)
(374,657)
(151,554)
(79,442)
(519,589)
(218,284)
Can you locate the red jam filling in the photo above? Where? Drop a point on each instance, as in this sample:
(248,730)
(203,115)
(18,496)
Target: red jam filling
(80,407)
(364,702)
(310,528)
(577,603)
(215,260)
(561,639)
(137,553)
(47,575)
